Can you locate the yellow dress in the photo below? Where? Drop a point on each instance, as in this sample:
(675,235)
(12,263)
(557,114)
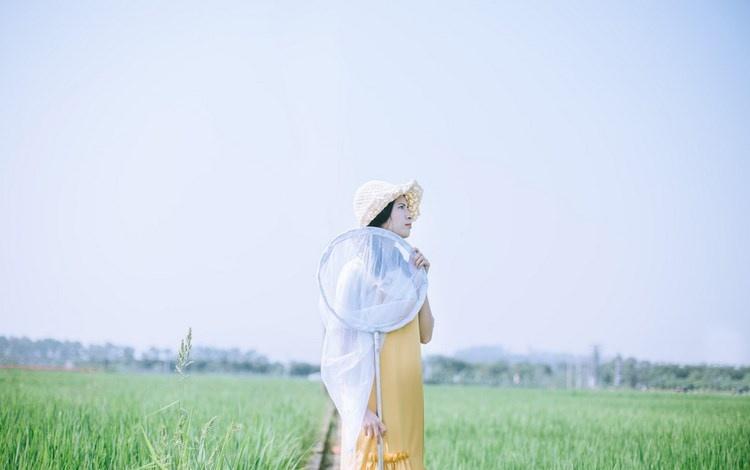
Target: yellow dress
(402,398)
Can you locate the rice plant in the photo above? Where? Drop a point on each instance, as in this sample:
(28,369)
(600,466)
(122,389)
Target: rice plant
(177,448)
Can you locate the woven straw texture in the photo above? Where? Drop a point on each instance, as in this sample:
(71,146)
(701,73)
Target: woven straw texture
(373,196)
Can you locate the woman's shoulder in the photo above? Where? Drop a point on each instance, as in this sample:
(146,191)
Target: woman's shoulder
(354,266)
(352,271)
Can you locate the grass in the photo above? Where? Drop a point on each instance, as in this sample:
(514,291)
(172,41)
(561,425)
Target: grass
(80,420)
(489,428)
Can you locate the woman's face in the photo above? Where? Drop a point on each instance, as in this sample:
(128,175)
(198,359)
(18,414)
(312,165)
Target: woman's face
(400,220)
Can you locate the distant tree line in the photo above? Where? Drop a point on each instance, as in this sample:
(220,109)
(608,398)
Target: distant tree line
(616,373)
(583,373)
(110,357)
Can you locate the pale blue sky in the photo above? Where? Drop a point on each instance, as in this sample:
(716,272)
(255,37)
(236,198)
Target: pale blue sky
(585,168)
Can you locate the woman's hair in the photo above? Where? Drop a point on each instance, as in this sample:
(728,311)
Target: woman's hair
(382,217)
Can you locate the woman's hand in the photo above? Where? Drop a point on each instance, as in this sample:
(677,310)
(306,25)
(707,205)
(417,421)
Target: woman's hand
(372,424)
(420,260)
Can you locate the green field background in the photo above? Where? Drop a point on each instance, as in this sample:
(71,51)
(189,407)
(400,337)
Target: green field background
(99,420)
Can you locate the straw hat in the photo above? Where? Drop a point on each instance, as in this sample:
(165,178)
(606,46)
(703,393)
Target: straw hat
(373,196)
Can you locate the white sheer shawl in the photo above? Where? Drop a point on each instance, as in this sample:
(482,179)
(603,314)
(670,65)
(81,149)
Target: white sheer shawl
(368,283)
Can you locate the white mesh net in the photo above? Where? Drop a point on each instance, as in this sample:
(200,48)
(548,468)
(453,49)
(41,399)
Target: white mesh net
(368,282)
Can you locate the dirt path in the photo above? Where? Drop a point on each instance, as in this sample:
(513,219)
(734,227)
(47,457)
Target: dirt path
(326,453)
(331,457)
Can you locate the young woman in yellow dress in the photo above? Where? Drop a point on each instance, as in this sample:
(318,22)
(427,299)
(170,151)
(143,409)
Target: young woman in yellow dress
(402,424)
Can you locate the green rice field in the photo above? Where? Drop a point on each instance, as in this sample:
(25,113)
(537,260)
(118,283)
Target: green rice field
(481,427)
(97,420)
(110,421)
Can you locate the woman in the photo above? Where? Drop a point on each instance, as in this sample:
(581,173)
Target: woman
(395,208)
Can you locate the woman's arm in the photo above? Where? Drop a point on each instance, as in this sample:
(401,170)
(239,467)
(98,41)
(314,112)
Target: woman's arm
(426,322)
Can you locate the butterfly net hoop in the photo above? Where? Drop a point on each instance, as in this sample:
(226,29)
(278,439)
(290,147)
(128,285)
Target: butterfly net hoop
(368,283)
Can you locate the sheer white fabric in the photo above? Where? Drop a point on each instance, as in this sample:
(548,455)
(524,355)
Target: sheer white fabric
(368,282)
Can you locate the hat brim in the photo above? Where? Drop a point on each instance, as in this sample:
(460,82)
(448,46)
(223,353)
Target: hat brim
(411,190)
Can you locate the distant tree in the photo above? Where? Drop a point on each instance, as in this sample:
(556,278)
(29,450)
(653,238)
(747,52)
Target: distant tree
(302,368)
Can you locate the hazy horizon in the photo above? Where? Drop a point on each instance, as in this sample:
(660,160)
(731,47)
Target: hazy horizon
(603,353)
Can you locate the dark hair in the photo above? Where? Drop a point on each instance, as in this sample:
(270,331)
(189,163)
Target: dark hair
(382,217)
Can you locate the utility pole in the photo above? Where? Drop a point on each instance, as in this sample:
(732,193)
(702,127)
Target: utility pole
(594,376)
(618,371)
